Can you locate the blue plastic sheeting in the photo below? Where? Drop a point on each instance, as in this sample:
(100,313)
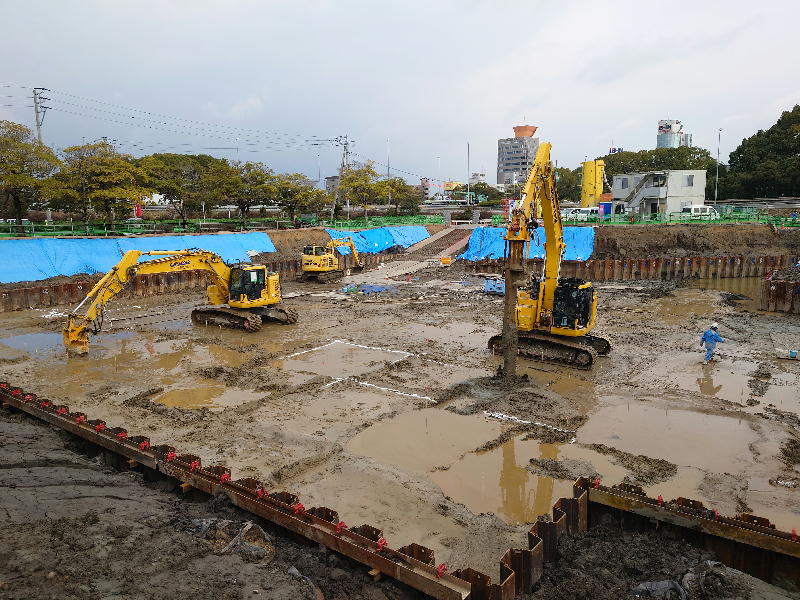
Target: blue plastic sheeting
(372,241)
(488,242)
(30,260)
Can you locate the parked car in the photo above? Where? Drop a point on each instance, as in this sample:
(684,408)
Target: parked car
(586,213)
(699,211)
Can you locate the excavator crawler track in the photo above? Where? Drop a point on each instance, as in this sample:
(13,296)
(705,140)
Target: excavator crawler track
(248,320)
(578,352)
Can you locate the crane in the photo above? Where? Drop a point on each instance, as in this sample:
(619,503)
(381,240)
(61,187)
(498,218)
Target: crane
(250,291)
(322,263)
(548,318)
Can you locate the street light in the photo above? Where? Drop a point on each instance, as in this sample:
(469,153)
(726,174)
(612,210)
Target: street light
(716,182)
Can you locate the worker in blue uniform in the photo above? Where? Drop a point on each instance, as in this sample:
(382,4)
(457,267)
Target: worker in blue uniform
(709,339)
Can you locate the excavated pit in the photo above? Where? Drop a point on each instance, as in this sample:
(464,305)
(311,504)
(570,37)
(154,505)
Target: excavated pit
(376,404)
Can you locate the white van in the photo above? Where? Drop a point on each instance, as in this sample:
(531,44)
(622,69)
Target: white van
(581,214)
(698,211)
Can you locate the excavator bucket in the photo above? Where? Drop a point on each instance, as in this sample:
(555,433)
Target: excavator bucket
(76,340)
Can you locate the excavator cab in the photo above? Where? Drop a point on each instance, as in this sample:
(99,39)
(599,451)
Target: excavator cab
(252,285)
(574,307)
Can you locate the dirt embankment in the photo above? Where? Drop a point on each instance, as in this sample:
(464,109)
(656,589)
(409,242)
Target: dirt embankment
(692,240)
(289,242)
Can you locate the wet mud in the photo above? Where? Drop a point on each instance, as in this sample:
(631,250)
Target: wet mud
(385,408)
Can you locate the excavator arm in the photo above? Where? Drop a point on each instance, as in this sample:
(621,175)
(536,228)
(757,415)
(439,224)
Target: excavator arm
(347,241)
(89,312)
(538,197)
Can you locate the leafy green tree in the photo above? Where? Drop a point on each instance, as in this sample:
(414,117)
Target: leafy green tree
(179,179)
(96,178)
(296,193)
(25,166)
(404,197)
(568,184)
(493,196)
(357,184)
(245,184)
(766,164)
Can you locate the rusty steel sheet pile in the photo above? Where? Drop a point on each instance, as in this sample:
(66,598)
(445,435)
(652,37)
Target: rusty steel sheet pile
(746,542)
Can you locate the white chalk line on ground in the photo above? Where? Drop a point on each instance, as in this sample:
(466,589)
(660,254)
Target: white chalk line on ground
(377,387)
(505,417)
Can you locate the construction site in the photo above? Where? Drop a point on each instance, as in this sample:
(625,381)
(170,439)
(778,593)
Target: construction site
(372,415)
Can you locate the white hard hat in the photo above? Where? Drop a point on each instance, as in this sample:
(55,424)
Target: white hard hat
(714,325)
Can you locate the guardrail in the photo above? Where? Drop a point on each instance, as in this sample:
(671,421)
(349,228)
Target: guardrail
(674,219)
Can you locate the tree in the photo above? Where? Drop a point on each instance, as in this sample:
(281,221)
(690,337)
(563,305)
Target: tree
(25,166)
(96,178)
(493,195)
(766,164)
(357,184)
(296,192)
(568,184)
(244,184)
(179,179)
(406,198)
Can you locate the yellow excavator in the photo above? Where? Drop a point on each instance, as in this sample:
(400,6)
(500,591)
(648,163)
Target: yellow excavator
(547,317)
(322,264)
(251,293)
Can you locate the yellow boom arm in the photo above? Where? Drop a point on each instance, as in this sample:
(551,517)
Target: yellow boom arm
(346,241)
(76,336)
(539,197)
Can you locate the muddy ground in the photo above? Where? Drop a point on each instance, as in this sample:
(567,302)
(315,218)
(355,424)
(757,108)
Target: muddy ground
(74,527)
(374,404)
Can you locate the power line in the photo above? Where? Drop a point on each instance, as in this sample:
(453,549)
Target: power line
(176,118)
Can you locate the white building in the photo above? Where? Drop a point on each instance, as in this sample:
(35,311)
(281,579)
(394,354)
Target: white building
(672,135)
(658,192)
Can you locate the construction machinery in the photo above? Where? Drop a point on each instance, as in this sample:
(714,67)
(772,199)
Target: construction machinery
(251,293)
(322,264)
(547,318)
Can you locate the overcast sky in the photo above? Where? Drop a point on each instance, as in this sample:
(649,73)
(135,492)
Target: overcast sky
(429,76)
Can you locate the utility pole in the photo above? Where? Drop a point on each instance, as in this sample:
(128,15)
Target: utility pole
(388,171)
(468,174)
(345,143)
(39,109)
(716,181)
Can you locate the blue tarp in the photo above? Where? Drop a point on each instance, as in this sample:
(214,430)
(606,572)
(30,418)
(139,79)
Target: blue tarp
(372,241)
(488,242)
(39,258)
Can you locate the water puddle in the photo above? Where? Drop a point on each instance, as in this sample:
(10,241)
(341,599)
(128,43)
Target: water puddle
(683,437)
(440,444)
(498,481)
(215,396)
(684,305)
(750,287)
(50,343)
(340,359)
(421,440)
(728,378)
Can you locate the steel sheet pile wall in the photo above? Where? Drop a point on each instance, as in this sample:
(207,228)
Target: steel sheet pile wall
(746,542)
(629,269)
(780,296)
(143,285)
